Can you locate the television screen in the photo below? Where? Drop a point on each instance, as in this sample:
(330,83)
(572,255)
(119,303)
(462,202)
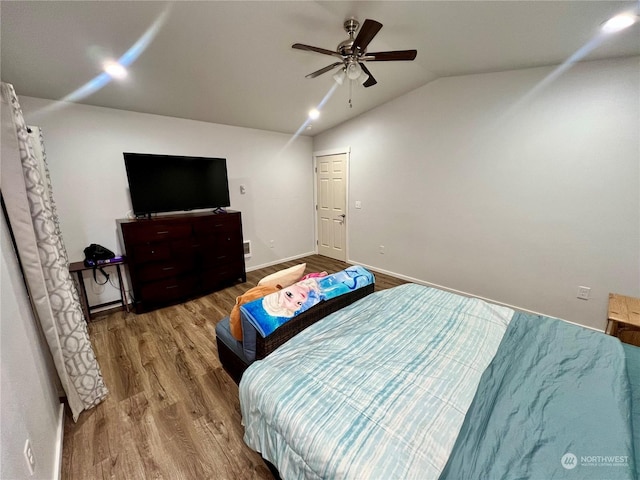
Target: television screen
(168,183)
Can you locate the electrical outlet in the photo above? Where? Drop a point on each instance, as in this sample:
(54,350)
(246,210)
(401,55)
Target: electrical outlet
(381,250)
(584,293)
(28,456)
(272,244)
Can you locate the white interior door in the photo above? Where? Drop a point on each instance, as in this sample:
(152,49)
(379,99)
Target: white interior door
(332,205)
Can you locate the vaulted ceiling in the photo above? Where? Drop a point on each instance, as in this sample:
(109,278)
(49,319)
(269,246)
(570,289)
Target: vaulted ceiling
(232,63)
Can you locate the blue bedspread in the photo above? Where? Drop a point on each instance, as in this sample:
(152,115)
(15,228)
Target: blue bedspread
(377,390)
(553,404)
(633,370)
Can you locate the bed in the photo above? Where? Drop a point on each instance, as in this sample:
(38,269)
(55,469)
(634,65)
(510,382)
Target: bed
(415,382)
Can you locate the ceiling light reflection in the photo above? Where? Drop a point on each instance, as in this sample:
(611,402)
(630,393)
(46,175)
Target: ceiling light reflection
(125,60)
(619,22)
(115,70)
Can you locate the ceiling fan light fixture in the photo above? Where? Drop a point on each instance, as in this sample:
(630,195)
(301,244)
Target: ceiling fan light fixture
(339,77)
(363,78)
(354,70)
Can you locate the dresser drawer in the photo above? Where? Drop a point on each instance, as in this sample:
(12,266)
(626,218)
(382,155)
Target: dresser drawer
(159,232)
(224,274)
(230,244)
(212,258)
(221,223)
(160,270)
(168,290)
(151,252)
(225,247)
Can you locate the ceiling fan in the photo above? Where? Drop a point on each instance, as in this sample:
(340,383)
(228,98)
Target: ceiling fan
(353,53)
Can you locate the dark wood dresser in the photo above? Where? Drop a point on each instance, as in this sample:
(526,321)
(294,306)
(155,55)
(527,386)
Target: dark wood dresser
(173,258)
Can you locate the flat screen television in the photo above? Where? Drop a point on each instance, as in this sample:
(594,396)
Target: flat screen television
(169,183)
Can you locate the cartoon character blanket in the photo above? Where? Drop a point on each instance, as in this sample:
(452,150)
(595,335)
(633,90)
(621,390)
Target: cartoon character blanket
(268,313)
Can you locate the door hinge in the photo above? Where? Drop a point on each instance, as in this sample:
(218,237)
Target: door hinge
(316,207)
(315,169)
(317,242)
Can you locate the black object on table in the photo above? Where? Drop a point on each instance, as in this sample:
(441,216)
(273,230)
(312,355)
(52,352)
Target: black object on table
(79,267)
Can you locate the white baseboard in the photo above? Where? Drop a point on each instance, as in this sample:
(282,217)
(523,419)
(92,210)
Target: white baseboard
(57,470)
(282,260)
(459,292)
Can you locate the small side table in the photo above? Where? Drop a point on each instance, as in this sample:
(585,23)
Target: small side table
(79,267)
(624,314)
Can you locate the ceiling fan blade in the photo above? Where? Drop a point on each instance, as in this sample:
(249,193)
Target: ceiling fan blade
(390,56)
(309,48)
(368,30)
(323,70)
(370,81)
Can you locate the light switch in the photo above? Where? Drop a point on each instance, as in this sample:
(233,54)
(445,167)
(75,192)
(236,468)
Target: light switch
(243,189)
(358,204)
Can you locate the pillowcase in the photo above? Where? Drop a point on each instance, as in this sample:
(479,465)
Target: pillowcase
(235,325)
(284,278)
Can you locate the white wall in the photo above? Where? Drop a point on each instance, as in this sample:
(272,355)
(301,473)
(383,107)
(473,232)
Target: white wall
(84,147)
(30,406)
(473,185)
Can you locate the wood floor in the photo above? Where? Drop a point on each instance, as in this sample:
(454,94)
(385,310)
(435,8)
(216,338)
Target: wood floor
(172,412)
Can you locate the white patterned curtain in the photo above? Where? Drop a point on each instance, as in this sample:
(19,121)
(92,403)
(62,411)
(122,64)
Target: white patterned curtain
(33,219)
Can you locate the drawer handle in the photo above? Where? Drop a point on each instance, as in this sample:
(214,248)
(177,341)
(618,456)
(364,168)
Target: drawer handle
(223,256)
(195,246)
(168,268)
(171,286)
(163,232)
(219,225)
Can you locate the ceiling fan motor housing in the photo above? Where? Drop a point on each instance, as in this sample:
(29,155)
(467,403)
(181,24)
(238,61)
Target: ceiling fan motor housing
(345,48)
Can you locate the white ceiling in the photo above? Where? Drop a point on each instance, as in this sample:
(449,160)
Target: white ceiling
(232,62)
